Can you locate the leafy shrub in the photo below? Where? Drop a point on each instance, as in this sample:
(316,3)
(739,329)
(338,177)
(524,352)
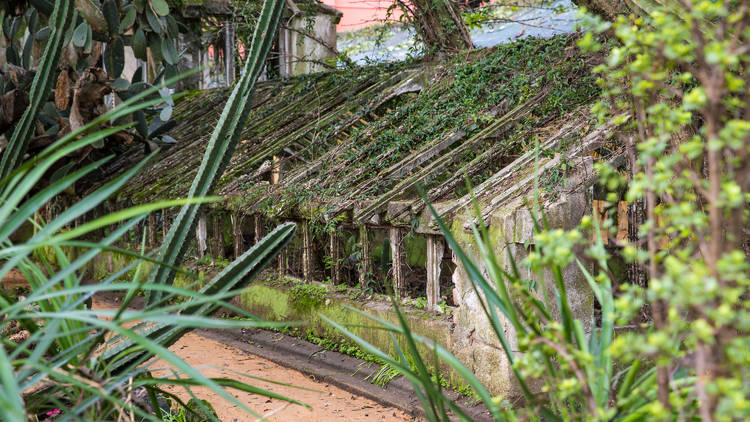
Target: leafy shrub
(681,71)
(676,80)
(306,297)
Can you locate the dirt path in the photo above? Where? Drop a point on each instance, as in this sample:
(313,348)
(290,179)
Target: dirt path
(329,403)
(13,279)
(215,359)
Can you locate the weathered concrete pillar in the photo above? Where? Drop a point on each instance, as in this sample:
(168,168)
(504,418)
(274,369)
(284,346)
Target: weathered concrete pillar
(282,263)
(307,252)
(395,236)
(151,227)
(435,251)
(365,262)
(164,223)
(239,243)
(229,52)
(201,232)
(335,257)
(217,238)
(277,172)
(282,260)
(258,223)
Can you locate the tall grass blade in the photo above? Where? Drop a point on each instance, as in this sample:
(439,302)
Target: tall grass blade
(221,144)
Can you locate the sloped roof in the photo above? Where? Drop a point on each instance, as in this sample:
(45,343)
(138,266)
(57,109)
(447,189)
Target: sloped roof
(197,8)
(357,144)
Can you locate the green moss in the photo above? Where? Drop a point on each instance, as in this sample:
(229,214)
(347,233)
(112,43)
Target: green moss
(415,251)
(277,304)
(108,263)
(269,303)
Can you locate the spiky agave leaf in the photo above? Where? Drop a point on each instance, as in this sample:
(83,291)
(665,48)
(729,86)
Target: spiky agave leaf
(220,146)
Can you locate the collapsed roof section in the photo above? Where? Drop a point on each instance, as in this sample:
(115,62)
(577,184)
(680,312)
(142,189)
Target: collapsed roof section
(357,146)
(201,8)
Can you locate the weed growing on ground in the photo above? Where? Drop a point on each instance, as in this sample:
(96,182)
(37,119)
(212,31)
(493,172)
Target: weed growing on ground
(306,297)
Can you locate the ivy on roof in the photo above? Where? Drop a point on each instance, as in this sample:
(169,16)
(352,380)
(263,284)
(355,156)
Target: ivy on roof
(354,141)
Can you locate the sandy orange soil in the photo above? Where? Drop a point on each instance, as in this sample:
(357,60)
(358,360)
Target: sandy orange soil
(217,360)
(329,403)
(214,359)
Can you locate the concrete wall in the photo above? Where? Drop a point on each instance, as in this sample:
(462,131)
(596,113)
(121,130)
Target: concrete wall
(511,230)
(465,331)
(301,54)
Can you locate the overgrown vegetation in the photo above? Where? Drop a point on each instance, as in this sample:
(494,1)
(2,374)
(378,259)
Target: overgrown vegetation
(306,297)
(670,346)
(76,363)
(676,79)
(467,95)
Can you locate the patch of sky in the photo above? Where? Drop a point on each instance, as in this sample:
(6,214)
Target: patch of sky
(394,42)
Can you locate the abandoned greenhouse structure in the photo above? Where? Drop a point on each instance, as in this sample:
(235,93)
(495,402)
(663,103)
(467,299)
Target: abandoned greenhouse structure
(349,156)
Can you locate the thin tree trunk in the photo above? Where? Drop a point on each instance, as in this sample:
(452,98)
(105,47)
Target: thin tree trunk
(439,25)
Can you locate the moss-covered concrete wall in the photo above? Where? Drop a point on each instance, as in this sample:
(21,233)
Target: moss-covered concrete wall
(511,234)
(275,303)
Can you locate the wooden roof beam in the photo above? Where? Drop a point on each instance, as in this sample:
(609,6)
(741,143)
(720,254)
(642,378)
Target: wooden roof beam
(503,124)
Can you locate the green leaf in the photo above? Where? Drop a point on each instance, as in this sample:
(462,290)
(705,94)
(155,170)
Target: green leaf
(33,21)
(60,181)
(137,75)
(125,214)
(15,27)
(5,24)
(169,51)
(11,404)
(112,16)
(43,34)
(91,11)
(120,84)
(114,57)
(154,42)
(153,21)
(79,35)
(89,40)
(170,71)
(166,113)
(159,127)
(224,382)
(139,44)
(128,20)
(160,7)
(11,54)
(172,28)
(45,7)
(140,123)
(236,275)
(26,58)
